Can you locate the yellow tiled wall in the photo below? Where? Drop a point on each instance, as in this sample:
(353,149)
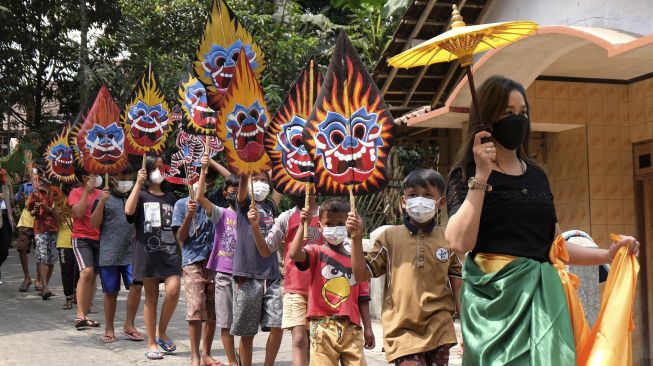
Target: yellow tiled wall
(590,168)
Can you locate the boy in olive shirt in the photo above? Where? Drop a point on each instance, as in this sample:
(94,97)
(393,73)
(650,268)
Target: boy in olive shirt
(423,276)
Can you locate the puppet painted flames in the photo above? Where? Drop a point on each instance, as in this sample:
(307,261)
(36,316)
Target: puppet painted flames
(100,139)
(146,119)
(350,131)
(245,119)
(60,158)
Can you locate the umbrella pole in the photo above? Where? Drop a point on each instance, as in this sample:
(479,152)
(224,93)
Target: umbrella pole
(472,89)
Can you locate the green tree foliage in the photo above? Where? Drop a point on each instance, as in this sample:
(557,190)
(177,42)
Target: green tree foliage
(39,57)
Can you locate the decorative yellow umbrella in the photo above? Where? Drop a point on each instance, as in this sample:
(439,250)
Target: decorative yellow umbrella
(461,42)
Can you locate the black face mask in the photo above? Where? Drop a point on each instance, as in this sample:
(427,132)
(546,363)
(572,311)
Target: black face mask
(231,198)
(510,131)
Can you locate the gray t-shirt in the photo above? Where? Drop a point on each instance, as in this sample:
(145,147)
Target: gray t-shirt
(247,260)
(116,234)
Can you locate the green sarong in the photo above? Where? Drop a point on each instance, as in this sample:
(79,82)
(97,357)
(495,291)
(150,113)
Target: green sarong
(515,316)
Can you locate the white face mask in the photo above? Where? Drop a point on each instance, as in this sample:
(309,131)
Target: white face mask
(156,177)
(98,181)
(421,209)
(261,190)
(334,235)
(123,186)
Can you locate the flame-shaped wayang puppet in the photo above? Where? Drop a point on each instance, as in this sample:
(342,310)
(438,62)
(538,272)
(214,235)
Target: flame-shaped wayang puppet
(60,158)
(291,164)
(147,118)
(243,119)
(200,118)
(100,138)
(350,130)
(218,51)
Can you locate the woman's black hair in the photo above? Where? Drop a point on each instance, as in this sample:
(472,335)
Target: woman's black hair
(493,98)
(424,178)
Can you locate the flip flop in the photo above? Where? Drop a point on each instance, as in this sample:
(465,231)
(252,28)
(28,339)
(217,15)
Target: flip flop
(24,286)
(168,346)
(135,336)
(38,288)
(67,305)
(153,355)
(109,339)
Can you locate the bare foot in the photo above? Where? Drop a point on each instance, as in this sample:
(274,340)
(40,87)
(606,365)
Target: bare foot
(207,360)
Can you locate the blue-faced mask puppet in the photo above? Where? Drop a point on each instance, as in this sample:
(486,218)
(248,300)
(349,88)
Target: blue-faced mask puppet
(350,130)
(245,119)
(218,52)
(147,119)
(199,116)
(292,166)
(220,63)
(106,144)
(60,158)
(246,128)
(349,156)
(101,139)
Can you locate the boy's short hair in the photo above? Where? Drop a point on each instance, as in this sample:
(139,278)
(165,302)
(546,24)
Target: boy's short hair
(424,178)
(334,205)
(232,180)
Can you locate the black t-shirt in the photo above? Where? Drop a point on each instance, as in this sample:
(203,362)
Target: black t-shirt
(155,252)
(518,216)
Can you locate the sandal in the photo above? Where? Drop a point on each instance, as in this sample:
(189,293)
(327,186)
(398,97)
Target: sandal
(134,335)
(153,355)
(93,323)
(38,287)
(47,295)
(168,346)
(109,339)
(24,286)
(81,323)
(67,305)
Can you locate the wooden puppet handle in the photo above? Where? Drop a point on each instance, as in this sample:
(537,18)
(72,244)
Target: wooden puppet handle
(106,180)
(144,161)
(191,195)
(251,189)
(307,202)
(352,201)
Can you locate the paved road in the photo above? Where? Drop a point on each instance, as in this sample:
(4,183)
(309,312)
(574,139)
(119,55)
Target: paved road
(37,332)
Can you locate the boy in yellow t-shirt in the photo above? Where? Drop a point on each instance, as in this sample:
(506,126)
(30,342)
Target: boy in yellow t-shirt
(67,260)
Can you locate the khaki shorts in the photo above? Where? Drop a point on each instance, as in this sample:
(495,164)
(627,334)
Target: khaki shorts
(25,239)
(224,300)
(200,292)
(295,307)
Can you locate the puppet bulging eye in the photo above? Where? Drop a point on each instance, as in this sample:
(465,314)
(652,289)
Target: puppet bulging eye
(254,114)
(241,117)
(219,61)
(337,137)
(359,132)
(297,141)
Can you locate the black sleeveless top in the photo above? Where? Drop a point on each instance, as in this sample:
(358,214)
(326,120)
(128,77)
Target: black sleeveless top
(518,216)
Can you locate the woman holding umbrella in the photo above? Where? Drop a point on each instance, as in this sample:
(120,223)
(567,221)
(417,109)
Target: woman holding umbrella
(502,212)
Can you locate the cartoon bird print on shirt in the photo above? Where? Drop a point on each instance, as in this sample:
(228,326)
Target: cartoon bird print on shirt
(339,280)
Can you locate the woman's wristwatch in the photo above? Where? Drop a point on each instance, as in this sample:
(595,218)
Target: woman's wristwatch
(473,183)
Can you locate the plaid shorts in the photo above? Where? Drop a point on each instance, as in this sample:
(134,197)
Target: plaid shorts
(46,247)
